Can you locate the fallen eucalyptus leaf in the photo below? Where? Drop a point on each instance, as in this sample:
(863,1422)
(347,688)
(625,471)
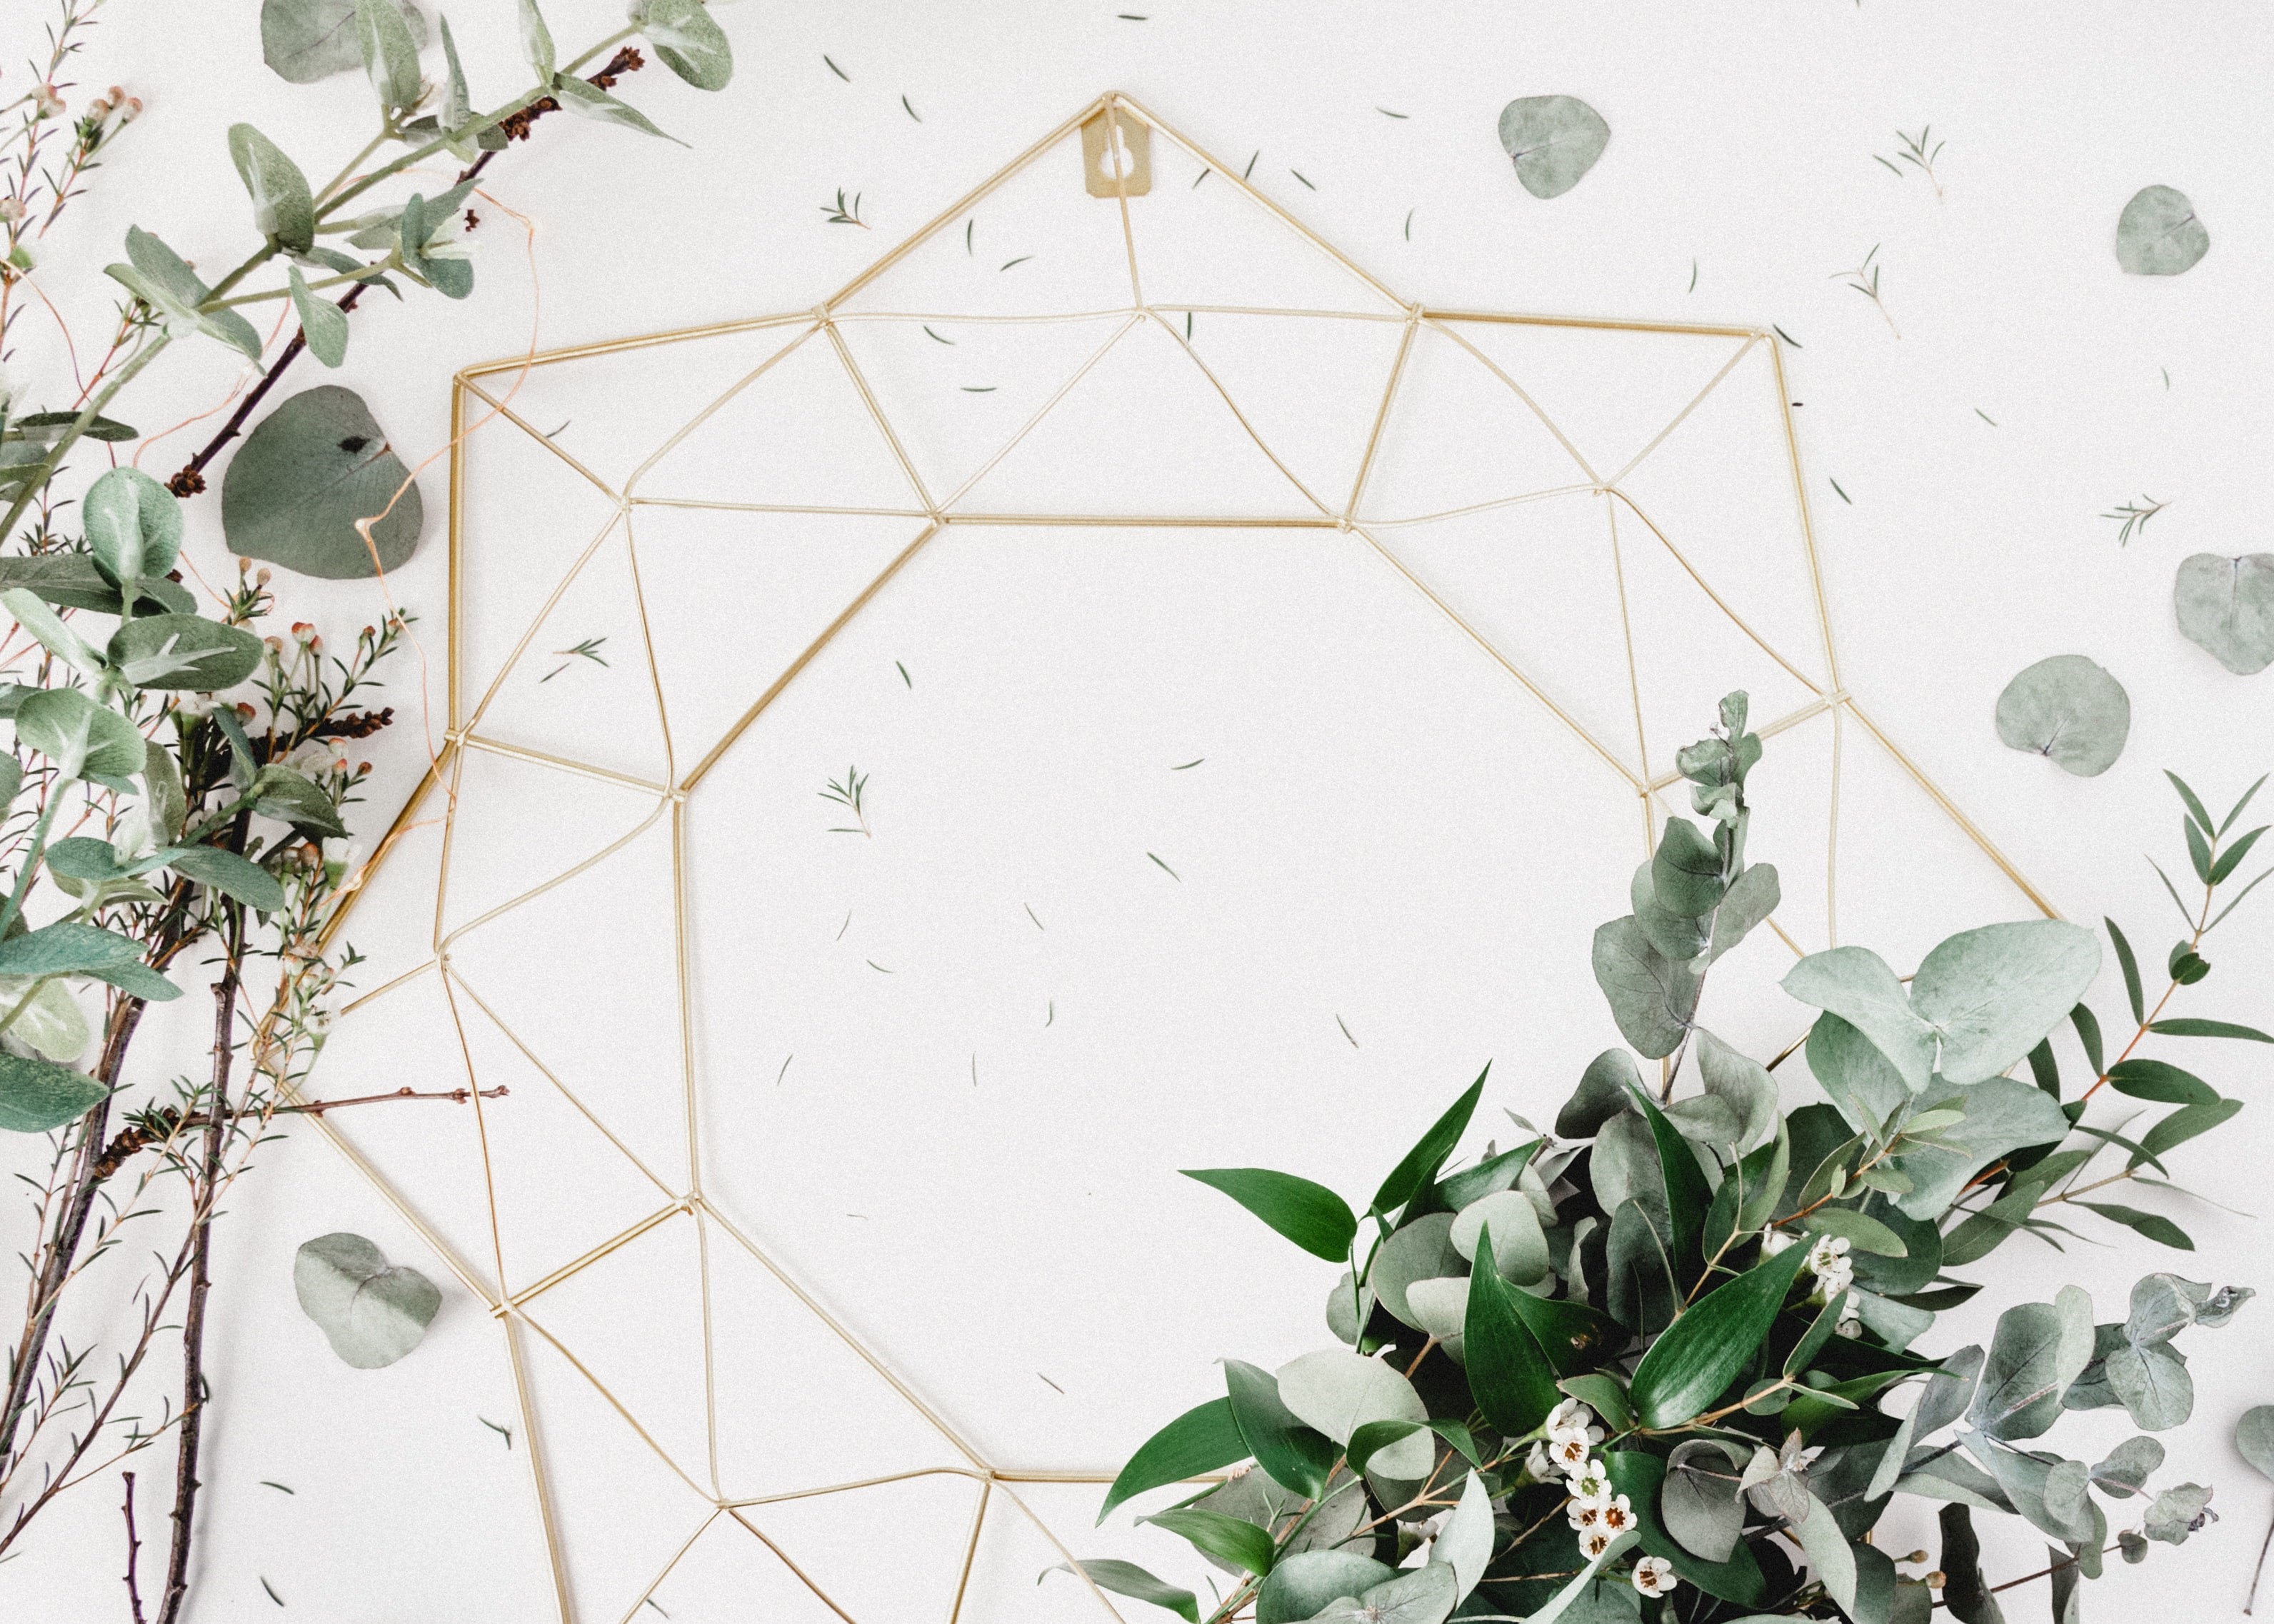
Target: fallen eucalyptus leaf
(1553,140)
(313,467)
(372,1312)
(2069,710)
(2226,604)
(2158,234)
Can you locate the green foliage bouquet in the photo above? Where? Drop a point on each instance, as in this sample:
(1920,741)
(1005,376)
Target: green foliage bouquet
(1642,1366)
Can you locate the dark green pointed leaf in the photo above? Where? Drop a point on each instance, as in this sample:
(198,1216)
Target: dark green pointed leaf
(1701,1354)
(2188,1026)
(2182,1125)
(1127,1579)
(1311,1215)
(1421,1162)
(1687,1193)
(1512,1380)
(2167,1085)
(2152,1225)
(1226,1538)
(1298,1458)
(1205,1438)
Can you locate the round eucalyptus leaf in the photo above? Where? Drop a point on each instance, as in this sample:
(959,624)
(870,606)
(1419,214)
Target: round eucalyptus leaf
(315,466)
(133,524)
(2158,234)
(82,738)
(2226,604)
(2069,710)
(1337,1392)
(1422,1250)
(372,1312)
(37,1095)
(2253,1438)
(184,652)
(1519,1248)
(1554,142)
(1302,1586)
(1348,1309)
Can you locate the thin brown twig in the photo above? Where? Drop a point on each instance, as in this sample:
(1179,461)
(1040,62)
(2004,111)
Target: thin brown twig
(133,1554)
(194,1387)
(190,480)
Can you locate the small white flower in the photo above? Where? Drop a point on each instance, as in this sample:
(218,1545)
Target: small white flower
(1567,1414)
(1582,1515)
(1590,1483)
(1828,1252)
(341,859)
(1618,1516)
(1654,1575)
(1570,1450)
(1774,1241)
(1592,1543)
(1537,1463)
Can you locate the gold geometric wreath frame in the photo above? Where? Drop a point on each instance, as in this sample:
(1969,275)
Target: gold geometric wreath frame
(780,1535)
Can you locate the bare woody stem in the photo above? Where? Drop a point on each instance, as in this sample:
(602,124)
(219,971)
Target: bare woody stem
(190,479)
(133,1554)
(193,1322)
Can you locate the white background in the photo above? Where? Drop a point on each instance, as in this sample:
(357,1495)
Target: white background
(1743,145)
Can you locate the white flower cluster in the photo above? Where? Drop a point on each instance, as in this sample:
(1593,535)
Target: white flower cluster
(1597,1514)
(1827,1260)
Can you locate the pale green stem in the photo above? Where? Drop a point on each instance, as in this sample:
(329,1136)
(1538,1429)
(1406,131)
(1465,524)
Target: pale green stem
(473,127)
(46,470)
(32,858)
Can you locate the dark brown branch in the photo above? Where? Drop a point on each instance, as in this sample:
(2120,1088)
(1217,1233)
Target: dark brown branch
(161,1125)
(133,1554)
(71,1228)
(192,479)
(194,1389)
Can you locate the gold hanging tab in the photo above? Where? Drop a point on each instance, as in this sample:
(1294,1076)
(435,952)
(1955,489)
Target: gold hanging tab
(1115,167)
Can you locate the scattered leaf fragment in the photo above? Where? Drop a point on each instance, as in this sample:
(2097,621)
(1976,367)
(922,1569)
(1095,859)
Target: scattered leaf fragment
(2069,710)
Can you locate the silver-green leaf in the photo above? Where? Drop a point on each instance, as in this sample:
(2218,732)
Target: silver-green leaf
(313,467)
(692,44)
(2158,234)
(591,101)
(390,52)
(283,207)
(1552,141)
(38,1095)
(323,325)
(1992,993)
(372,1312)
(304,40)
(2069,710)
(2226,606)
